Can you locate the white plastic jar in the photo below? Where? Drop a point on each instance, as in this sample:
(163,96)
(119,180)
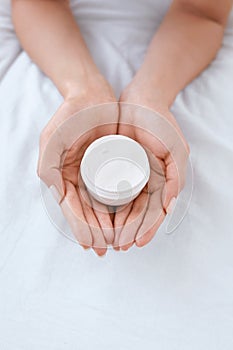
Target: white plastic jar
(115,168)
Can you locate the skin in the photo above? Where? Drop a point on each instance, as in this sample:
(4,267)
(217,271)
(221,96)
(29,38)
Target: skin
(196,25)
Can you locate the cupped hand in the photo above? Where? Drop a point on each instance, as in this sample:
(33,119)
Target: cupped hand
(83,117)
(148,121)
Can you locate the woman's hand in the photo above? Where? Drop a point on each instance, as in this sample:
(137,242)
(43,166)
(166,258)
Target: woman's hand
(187,40)
(69,64)
(168,153)
(62,144)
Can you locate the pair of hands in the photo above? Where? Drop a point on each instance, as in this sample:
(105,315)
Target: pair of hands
(88,115)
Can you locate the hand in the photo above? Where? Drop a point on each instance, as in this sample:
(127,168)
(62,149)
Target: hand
(167,151)
(63,142)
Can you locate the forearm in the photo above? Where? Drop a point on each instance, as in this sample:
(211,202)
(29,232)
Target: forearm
(49,34)
(183,46)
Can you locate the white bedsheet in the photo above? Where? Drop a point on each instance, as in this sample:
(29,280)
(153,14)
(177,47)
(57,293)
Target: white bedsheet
(175,293)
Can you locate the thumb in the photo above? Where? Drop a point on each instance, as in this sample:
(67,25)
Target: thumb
(175,181)
(49,168)
(171,188)
(52,177)
(169,197)
(169,203)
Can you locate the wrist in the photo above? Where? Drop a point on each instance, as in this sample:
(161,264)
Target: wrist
(90,88)
(156,84)
(78,83)
(143,92)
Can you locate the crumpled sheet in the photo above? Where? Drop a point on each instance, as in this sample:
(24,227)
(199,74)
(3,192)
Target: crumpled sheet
(176,292)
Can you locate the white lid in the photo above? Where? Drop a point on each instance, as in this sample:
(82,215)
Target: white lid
(115,168)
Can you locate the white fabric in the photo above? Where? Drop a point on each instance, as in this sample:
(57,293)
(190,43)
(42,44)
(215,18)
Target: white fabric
(175,293)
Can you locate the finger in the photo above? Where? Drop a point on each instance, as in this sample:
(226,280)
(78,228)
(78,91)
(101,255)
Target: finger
(133,222)
(49,167)
(73,212)
(120,218)
(100,210)
(171,186)
(137,211)
(152,220)
(103,216)
(175,181)
(99,244)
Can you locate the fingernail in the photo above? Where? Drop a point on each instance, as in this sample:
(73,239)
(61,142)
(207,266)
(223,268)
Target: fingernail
(126,246)
(100,252)
(171,205)
(140,243)
(55,193)
(85,246)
